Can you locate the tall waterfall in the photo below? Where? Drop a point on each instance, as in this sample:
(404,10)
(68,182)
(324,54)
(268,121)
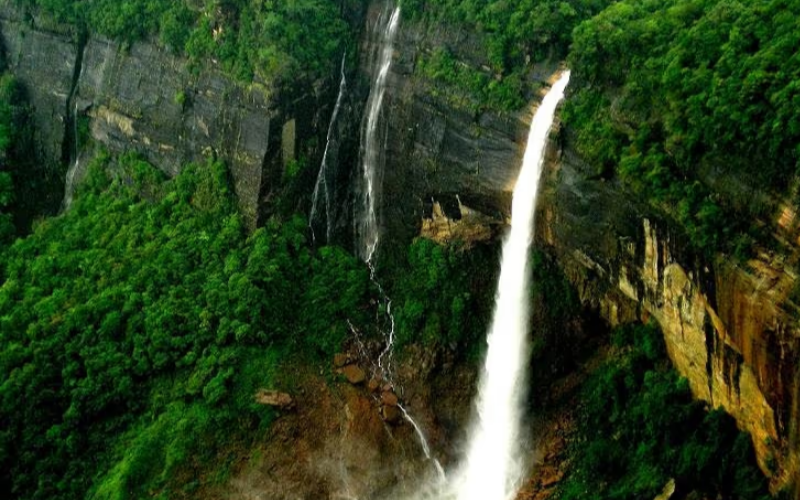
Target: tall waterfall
(367,230)
(494,467)
(322,176)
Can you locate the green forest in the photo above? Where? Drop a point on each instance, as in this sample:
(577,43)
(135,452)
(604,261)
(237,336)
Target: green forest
(639,428)
(145,319)
(251,39)
(676,97)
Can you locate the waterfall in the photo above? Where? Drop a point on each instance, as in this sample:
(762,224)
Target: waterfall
(69,181)
(366,219)
(494,467)
(322,176)
(368,234)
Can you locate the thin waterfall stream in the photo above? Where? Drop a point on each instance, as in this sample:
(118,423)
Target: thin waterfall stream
(367,227)
(321,184)
(69,181)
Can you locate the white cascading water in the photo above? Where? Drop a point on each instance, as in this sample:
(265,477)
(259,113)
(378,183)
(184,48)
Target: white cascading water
(367,221)
(494,465)
(367,230)
(322,176)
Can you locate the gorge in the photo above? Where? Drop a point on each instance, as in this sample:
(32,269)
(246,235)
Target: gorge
(240,218)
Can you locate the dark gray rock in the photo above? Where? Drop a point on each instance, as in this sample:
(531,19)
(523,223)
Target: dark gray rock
(44,63)
(149,101)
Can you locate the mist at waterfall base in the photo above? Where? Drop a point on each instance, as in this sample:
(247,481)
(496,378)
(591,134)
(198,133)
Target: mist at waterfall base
(494,464)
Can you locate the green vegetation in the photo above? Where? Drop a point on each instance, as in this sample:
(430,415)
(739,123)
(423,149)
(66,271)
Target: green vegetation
(250,38)
(555,319)
(666,90)
(26,191)
(517,33)
(136,328)
(639,428)
(445,295)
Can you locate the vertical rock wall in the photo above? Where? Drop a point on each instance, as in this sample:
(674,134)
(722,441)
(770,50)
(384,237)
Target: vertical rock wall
(729,327)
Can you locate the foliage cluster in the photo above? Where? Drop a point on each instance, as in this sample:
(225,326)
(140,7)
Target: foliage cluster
(516,34)
(445,294)
(18,179)
(555,319)
(248,38)
(639,428)
(665,90)
(136,328)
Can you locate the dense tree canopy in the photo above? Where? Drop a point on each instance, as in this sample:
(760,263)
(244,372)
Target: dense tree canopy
(135,329)
(517,33)
(248,37)
(669,94)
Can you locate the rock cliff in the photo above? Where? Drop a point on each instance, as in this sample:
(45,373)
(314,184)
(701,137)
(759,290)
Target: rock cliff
(730,327)
(145,100)
(444,159)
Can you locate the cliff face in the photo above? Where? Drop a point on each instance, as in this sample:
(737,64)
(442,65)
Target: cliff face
(730,327)
(146,100)
(447,167)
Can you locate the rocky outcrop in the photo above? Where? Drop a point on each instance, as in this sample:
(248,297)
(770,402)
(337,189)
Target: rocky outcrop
(148,101)
(729,327)
(143,99)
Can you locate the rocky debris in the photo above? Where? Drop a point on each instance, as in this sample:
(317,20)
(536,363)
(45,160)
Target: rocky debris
(389,398)
(354,374)
(391,414)
(341,359)
(274,398)
(668,491)
(551,476)
(374,384)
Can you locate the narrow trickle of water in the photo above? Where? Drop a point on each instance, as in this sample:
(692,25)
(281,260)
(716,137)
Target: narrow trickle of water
(424,443)
(69,181)
(366,218)
(322,177)
(367,229)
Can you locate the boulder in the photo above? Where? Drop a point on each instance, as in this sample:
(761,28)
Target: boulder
(354,374)
(374,385)
(389,398)
(274,398)
(340,359)
(391,414)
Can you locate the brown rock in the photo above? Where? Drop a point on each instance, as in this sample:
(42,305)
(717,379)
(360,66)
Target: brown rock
(354,374)
(389,398)
(274,398)
(373,385)
(340,359)
(551,477)
(391,414)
